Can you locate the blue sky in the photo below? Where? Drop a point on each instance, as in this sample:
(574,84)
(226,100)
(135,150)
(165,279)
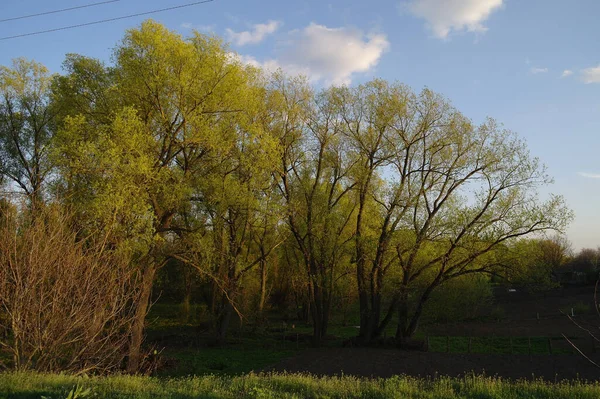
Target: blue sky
(532,65)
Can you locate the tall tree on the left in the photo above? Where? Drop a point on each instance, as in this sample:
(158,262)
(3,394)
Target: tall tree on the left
(141,135)
(26,121)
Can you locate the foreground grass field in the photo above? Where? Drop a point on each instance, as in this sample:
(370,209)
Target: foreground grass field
(37,386)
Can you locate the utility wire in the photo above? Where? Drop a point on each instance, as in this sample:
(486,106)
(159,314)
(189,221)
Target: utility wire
(57,11)
(106,20)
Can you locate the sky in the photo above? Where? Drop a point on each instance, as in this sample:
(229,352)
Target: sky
(532,65)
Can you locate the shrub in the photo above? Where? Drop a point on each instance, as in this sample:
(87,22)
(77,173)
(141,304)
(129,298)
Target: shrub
(66,299)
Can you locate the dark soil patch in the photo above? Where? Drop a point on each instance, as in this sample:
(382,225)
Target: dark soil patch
(369,362)
(549,327)
(530,315)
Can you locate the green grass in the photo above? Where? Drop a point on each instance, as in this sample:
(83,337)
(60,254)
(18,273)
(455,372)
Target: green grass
(187,349)
(36,386)
(221,361)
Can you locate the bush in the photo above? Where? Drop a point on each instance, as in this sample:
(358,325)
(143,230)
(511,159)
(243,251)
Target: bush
(66,300)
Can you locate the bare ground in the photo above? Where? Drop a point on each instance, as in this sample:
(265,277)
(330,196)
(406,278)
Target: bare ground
(521,320)
(370,362)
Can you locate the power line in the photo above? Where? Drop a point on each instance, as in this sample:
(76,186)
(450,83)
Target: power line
(57,11)
(107,20)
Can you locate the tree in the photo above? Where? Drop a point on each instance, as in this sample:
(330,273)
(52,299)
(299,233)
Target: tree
(370,113)
(26,127)
(472,189)
(313,179)
(142,137)
(446,192)
(533,263)
(584,265)
(239,231)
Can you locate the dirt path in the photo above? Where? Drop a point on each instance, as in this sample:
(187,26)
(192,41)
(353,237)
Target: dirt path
(368,362)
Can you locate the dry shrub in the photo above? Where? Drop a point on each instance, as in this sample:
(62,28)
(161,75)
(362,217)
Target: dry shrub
(66,301)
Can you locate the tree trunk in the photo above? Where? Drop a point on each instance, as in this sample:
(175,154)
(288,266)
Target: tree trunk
(137,331)
(223,321)
(316,312)
(187,297)
(407,324)
(402,331)
(263,288)
(371,299)
(186,306)
(320,301)
(364,333)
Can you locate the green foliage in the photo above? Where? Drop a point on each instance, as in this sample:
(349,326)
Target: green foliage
(139,137)
(235,360)
(532,263)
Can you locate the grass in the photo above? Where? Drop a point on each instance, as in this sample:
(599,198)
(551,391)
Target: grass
(36,386)
(189,349)
(221,361)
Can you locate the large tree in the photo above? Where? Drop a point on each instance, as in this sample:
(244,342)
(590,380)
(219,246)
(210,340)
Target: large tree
(234,205)
(313,178)
(140,139)
(446,194)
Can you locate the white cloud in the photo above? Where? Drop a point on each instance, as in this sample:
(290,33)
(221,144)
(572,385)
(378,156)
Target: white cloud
(591,75)
(535,71)
(329,55)
(333,54)
(254,36)
(199,28)
(566,72)
(589,175)
(445,16)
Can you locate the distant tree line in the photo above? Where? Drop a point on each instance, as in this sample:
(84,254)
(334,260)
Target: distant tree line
(245,189)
